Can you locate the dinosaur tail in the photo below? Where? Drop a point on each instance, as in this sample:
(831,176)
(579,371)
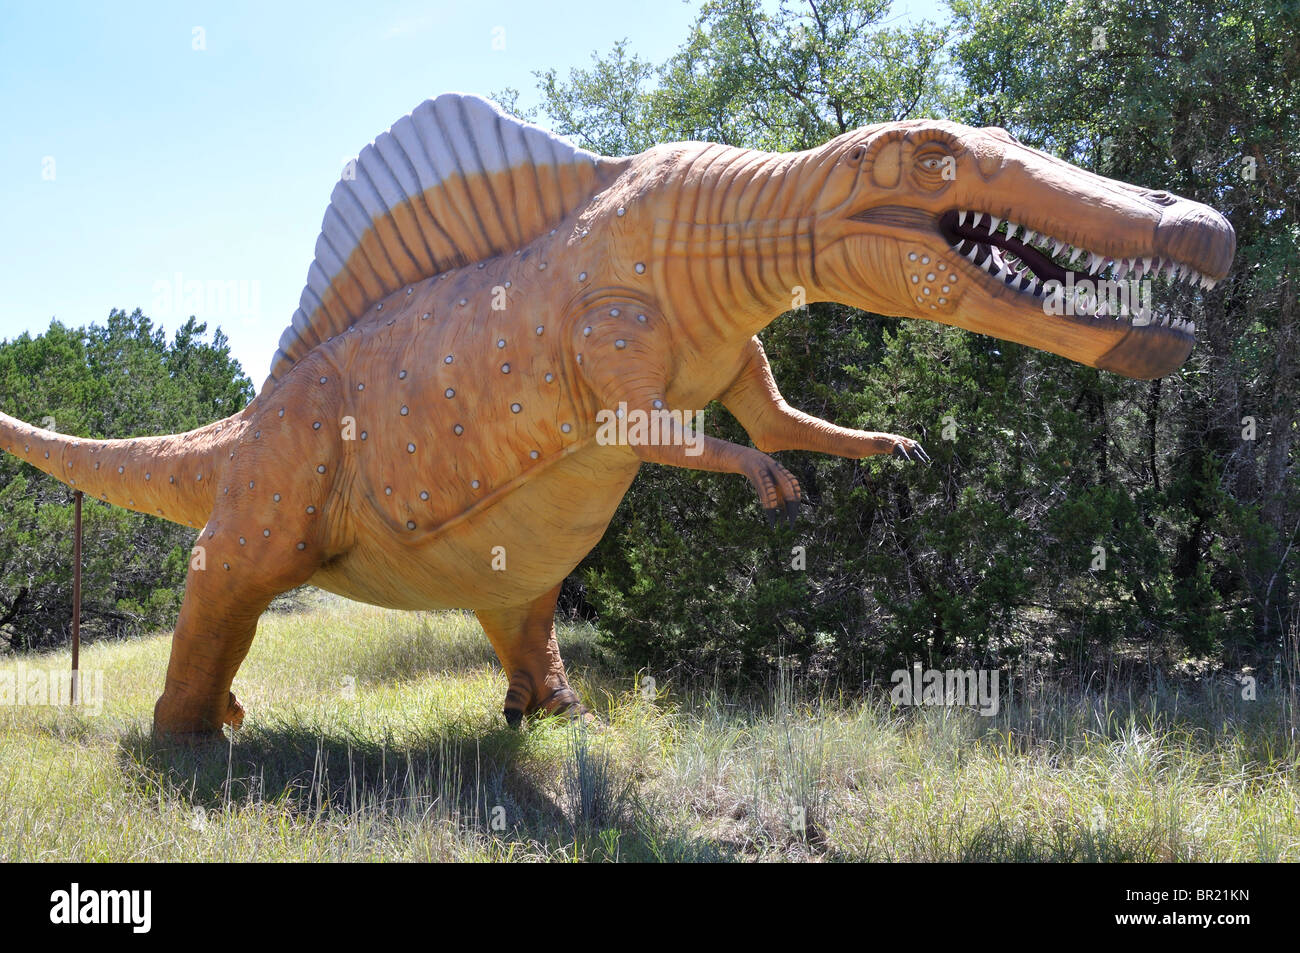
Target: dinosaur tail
(172,476)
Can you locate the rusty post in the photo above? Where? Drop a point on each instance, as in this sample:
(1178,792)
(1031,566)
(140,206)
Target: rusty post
(76,594)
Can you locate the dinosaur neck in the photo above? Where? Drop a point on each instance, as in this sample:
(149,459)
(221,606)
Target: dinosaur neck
(735,247)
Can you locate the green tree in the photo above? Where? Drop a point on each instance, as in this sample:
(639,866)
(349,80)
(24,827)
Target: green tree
(119,379)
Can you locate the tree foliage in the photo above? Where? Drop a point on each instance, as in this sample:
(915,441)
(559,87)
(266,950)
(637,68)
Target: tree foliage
(123,378)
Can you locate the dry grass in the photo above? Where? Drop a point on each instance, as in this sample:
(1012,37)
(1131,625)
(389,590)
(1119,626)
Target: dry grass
(376,735)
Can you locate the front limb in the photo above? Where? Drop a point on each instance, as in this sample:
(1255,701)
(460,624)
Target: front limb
(754,400)
(625,371)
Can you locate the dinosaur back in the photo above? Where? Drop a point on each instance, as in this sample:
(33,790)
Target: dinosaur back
(455,182)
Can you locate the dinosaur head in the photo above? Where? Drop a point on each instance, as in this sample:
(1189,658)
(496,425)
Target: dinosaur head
(965,226)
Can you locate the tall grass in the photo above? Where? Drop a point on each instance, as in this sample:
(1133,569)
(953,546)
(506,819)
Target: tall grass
(378,735)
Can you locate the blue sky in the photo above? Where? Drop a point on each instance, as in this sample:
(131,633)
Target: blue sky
(150,144)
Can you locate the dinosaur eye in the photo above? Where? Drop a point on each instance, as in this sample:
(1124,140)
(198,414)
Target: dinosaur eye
(854,155)
(935,167)
(1162,198)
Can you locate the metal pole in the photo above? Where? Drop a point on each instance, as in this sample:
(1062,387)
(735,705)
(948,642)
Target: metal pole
(76,594)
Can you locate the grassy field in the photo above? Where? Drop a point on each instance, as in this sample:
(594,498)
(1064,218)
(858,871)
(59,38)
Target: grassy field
(376,735)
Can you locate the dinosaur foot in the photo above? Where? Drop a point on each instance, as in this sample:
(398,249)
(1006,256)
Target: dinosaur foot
(562,703)
(180,721)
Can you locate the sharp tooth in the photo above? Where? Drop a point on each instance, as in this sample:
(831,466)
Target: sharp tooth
(1095,262)
(1057,245)
(1074,254)
(994,221)
(1173,272)
(1206,282)
(1191,327)
(1170,270)
(975,220)
(961,217)
(1033,283)
(1146,265)
(1030,235)
(1122,270)
(1011,229)
(973,252)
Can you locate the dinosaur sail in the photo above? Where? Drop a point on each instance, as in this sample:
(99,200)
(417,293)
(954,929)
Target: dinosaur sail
(455,182)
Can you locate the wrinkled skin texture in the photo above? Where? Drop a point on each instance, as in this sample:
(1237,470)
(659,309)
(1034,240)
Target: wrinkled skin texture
(444,451)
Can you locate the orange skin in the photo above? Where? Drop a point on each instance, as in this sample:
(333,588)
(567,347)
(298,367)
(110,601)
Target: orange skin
(376,469)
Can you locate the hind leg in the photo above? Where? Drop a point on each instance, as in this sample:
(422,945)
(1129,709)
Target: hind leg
(524,640)
(229,585)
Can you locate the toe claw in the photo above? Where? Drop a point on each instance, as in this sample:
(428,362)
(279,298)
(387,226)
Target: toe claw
(513,716)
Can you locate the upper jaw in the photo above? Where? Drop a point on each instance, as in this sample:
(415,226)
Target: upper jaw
(1035,267)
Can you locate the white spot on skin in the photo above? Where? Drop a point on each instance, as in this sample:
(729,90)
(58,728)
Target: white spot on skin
(458,430)
(640,268)
(566,427)
(410,448)
(404,411)
(515,408)
(449,393)
(505,368)
(311,509)
(401,375)
(474,484)
(321,468)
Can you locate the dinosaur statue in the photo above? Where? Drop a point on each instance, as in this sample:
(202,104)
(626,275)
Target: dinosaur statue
(483,292)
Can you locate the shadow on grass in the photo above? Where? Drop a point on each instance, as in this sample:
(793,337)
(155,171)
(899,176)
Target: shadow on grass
(487,785)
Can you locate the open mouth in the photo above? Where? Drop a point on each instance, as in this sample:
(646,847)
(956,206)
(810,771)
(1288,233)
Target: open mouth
(1040,266)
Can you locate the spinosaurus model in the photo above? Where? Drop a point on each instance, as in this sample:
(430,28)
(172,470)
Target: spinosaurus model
(482,291)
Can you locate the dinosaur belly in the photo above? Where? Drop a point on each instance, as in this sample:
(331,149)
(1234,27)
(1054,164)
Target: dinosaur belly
(505,552)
